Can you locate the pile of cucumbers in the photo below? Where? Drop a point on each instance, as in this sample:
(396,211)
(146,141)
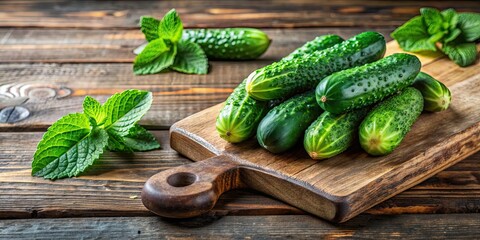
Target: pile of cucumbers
(330,92)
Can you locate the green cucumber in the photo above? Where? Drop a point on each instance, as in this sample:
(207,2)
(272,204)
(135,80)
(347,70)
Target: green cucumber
(229,43)
(365,85)
(332,134)
(319,43)
(239,118)
(285,124)
(384,128)
(286,78)
(436,96)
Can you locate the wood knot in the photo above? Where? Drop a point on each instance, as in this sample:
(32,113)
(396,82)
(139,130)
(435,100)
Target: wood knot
(13,114)
(35,92)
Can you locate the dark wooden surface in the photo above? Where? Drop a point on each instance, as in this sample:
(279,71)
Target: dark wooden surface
(56,52)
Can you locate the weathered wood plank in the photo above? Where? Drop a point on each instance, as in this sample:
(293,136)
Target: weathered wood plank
(426,226)
(113,46)
(113,187)
(230,13)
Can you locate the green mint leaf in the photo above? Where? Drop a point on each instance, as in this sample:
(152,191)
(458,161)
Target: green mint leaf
(433,19)
(413,36)
(463,54)
(152,51)
(125,109)
(190,59)
(117,143)
(452,35)
(93,109)
(450,17)
(436,37)
(137,139)
(149,27)
(156,57)
(171,27)
(139,49)
(469,24)
(68,147)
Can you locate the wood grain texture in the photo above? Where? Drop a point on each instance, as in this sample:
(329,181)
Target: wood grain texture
(425,226)
(116,46)
(229,13)
(342,187)
(113,188)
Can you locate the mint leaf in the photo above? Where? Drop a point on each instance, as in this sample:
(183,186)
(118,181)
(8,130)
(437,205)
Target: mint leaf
(463,54)
(68,148)
(469,24)
(117,143)
(93,109)
(156,57)
(137,139)
(190,59)
(152,51)
(413,36)
(139,49)
(450,17)
(149,27)
(171,27)
(125,109)
(433,19)
(452,35)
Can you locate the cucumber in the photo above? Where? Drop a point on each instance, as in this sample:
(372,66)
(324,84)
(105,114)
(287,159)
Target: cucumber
(332,134)
(319,43)
(229,43)
(436,96)
(239,118)
(285,78)
(365,85)
(285,124)
(384,128)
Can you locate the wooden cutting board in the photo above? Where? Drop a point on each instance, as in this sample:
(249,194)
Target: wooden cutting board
(335,189)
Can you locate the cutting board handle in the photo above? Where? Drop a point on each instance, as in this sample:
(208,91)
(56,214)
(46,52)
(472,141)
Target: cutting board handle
(192,189)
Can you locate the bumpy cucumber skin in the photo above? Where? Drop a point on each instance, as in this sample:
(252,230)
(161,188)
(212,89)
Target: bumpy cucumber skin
(229,43)
(365,85)
(231,123)
(285,124)
(332,134)
(436,96)
(384,128)
(319,43)
(240,116)
(285,78)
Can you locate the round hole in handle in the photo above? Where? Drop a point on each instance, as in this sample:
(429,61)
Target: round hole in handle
(181,179)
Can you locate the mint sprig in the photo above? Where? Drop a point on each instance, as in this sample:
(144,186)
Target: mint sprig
(452,32)
(76,141)
(190,59)
(413,36)
(469,24)
(165,50)
(149,27)
(171,27)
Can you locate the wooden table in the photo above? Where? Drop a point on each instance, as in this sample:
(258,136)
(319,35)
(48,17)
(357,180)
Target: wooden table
(56,52)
